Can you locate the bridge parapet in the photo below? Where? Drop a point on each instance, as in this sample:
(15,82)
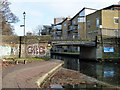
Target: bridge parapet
(74,43)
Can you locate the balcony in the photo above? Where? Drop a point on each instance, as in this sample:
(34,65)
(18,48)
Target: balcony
(74,30)
(58,33)
(59,29)
(70,27)
(43,33)
(75,24)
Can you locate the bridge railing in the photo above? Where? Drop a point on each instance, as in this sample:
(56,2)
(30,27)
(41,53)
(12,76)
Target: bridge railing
(72,39)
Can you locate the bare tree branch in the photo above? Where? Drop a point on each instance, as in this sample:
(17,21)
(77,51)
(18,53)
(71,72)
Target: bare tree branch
(7,14)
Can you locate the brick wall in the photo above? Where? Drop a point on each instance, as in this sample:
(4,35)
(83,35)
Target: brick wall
(28,46)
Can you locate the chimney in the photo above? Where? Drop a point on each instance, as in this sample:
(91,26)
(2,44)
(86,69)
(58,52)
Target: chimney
(119,3)
(54,20)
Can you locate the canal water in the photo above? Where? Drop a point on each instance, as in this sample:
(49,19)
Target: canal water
(104,71)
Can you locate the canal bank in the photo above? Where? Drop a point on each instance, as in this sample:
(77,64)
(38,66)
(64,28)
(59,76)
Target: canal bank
(107,72)
(66,78)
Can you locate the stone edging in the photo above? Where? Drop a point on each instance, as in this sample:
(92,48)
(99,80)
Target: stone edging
(41,79)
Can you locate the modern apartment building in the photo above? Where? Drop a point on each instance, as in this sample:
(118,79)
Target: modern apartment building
(77,24)
(66,34)
(56,32)
(81,21)
(104,22)
(46,30)
(74,26)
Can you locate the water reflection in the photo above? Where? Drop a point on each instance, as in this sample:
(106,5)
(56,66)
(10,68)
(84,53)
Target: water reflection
(107,72)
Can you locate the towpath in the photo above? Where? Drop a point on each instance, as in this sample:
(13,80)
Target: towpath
(26,76)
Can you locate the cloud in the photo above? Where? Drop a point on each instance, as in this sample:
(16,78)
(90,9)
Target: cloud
(47,1)
(67,1)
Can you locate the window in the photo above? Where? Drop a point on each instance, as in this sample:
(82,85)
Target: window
(78,26)
(116,20)
(64,24)
(81,19)
(74,22)
(112,8)
(78,33)
(88,24)
(97,22)
(78,19)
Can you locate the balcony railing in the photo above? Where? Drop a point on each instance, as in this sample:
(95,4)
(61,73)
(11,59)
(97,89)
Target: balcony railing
(58,33)
(74,30)
(59,29)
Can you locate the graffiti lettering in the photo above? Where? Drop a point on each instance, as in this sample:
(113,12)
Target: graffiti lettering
(35,50)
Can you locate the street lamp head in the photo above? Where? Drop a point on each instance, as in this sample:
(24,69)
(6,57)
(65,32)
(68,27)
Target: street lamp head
(24,13)
(100,26)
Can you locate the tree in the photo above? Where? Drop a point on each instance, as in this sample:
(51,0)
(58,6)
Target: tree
(37,31)
(6,12)
(7,18)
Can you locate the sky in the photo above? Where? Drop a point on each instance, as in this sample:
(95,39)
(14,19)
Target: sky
(39,12)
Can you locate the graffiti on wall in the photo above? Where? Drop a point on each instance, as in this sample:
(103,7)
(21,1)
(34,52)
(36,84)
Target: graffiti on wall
(36,50)
(5,51)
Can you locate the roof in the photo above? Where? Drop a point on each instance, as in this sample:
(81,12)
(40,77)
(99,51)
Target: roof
(81,11)
(56,24)
(47,26)
(112,6)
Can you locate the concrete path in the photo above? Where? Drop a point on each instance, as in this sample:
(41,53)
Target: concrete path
(26,76)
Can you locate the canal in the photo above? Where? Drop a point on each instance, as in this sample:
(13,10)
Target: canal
(108,72)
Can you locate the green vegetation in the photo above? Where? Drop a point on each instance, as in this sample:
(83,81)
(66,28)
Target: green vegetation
(31,58)
(112,57)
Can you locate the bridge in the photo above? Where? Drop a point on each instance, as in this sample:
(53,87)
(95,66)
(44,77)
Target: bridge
(94,49)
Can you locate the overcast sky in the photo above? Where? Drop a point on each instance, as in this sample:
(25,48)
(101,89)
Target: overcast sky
(39,12)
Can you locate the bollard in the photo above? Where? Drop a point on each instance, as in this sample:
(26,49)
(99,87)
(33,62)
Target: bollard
(16,62)
(25,61)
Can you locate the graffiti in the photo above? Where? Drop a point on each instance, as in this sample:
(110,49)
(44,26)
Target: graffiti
(36,50)
(5,51)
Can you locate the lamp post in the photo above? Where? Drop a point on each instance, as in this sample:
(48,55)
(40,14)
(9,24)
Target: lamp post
(24,21)
(101,33)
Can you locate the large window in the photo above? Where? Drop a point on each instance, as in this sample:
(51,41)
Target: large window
(78,19)
(116,20)
(97,22)
(78,26)
(81,19)
(78,33)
